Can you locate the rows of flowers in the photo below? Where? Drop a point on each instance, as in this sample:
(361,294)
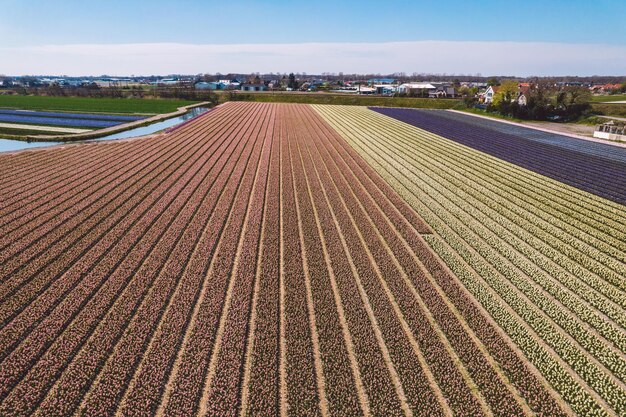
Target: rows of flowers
(562,141)
(502,226)
(140,214)
(57,121)
(260,397)
(533,390)
(68,230)
(594,174)
(487,253)
(420,288)
(62,115)
(144,355)
(70,197)
(462,239)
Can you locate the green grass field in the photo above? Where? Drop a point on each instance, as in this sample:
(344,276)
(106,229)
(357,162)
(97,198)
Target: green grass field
(92,105)
(605,109)
(488,114)
(609,109)
(601,99)
(350,100)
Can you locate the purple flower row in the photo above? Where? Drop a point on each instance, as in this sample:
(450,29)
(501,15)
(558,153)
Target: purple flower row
(58,121)
(71,115)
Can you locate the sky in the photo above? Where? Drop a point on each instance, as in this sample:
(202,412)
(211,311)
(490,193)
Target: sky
(115,37)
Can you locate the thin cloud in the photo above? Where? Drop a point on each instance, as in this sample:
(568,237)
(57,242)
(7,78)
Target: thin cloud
(511,58)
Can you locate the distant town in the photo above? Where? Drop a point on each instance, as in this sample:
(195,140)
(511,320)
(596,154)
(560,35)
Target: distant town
(416,85)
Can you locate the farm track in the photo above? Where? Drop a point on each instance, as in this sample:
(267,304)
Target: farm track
(585,343)
(287,259)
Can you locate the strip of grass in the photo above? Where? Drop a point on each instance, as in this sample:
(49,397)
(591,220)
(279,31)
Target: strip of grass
(615,97)
(617,110)
(488,114)
(342,99)
(92,105)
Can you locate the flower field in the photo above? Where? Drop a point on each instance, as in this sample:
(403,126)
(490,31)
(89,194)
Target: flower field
(57,121)
(35,120)
(95,116)
(573,165)
(289,259)
(561,141)
(545,260)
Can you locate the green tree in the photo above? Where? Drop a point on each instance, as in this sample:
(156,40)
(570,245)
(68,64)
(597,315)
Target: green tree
(493,81)
(293,84)
(579,95)
(507,92)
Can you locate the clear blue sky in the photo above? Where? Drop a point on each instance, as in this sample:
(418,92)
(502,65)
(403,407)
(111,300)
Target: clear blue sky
(123,37)
(38,22)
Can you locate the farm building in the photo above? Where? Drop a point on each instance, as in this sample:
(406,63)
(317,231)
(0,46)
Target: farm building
(412,87)
(167,81)
(234,83)
(385,89)
(209,86)
(253,87)
(434,90)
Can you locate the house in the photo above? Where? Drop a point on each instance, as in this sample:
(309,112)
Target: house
(441,90)
(609,88)
(522,99)
(523,93)
(114,82)
(490,94)
(611,131)
(253,87)
(365,90)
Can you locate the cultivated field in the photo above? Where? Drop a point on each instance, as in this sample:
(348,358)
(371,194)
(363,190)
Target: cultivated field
(340,99)
(91,105)
(544,259)
(288,259)
(60,122)
(597,168)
